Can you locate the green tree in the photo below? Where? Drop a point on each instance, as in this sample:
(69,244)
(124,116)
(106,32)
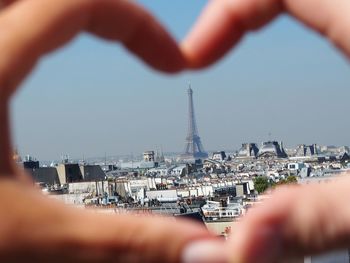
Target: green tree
(291,179)
(261,184)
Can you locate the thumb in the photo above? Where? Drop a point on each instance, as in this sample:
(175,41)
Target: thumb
(132,238)
(39,229)
(296,221)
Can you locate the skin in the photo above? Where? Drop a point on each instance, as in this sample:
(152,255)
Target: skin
(296,221)
(224,22)
(36,229)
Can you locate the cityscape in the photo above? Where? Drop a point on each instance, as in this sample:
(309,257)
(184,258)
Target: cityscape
(215,188)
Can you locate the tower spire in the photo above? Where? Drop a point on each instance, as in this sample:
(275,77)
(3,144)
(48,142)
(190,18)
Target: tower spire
(193,145)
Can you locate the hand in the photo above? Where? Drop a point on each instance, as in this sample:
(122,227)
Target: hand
(296,221)
(224,22)
(32,28)
(34,228)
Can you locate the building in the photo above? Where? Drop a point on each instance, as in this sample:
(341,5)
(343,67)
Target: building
(148,156)
(45,175)
(64,173)
(306,150)
(272,149)
(248,150)
(69,173)
(219,156)
(30,163)
(92,172)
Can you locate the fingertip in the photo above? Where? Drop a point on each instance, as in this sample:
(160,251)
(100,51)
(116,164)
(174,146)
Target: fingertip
(192,62)
(202,53)
(197,60)
(174,63)
(217,30)
(171,63)
(156,47)
(205,251)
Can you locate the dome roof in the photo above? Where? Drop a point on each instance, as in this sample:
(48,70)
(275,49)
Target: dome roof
(273,149)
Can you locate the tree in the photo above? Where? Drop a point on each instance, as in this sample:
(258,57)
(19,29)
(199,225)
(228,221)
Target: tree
(291,179)
(261,184)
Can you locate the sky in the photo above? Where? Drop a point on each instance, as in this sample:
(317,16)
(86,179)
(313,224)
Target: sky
(93,98)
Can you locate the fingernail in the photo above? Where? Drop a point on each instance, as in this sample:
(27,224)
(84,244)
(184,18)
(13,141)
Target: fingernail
(205,251)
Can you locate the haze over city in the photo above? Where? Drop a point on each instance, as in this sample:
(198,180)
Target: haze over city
(93,97)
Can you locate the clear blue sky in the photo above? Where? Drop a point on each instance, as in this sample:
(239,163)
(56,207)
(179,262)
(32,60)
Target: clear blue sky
(93,97)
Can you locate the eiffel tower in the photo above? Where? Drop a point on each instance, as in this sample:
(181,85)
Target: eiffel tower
(193,146)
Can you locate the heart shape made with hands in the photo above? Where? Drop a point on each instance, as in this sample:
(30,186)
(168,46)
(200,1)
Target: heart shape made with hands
(51,23)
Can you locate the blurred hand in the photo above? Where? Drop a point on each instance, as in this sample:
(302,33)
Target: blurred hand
(30,29)
(32,227)
(224,22)
(296,221)
(299,220)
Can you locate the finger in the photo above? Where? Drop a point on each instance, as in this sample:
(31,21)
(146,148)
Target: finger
(4,3)
(295,222)
(42,230)
(50,24)
(142,239)
(224,22)
(6,164)
(31,28)
(8,167)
